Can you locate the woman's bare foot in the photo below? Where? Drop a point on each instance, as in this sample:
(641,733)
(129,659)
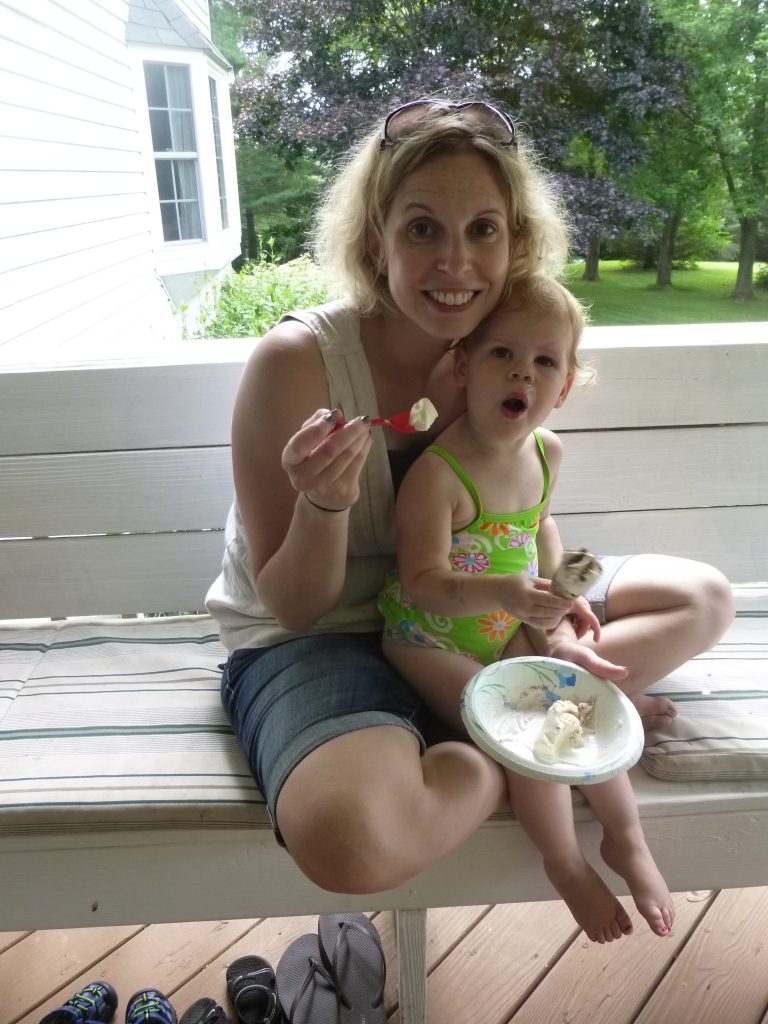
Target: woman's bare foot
(589,899)
(655,712)
(633,861)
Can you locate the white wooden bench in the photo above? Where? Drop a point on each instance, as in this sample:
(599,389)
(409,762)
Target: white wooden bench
(114,486)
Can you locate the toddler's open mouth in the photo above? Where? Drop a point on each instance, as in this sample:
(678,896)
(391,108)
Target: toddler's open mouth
(515,404)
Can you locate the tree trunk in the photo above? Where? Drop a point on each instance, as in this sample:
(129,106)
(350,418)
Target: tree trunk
(667,247)
(747,253)
(592,263)
(253,245)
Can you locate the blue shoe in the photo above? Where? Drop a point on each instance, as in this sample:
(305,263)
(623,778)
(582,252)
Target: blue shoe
(95,1002)
(149,1007)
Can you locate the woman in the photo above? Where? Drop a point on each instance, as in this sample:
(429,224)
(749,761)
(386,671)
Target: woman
(429,222)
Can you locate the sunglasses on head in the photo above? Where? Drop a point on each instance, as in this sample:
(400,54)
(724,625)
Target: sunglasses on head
(476,112)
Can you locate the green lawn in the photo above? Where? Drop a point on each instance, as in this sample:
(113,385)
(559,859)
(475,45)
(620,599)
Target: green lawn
(625,295)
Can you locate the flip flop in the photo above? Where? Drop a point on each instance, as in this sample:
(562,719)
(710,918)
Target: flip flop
(304,987)
(251,988)
(352,953)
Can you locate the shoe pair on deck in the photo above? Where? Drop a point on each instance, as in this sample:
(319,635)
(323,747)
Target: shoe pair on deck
(97,1002)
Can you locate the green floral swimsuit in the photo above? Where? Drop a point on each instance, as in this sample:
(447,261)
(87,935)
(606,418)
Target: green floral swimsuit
(492,543)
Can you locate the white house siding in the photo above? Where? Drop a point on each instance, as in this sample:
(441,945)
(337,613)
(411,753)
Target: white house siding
(76,258)
(197,11)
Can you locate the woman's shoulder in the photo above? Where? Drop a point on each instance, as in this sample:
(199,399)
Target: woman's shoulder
(302,331)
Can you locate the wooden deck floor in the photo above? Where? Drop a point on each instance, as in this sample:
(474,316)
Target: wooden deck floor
(514,964)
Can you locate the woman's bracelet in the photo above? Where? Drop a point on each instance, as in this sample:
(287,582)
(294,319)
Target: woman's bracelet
(323,507)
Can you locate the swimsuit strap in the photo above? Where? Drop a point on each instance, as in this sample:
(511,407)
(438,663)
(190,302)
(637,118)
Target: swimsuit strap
(544,465)
(461,473)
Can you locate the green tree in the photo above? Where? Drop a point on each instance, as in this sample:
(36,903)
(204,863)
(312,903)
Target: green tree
(275,196)
(682,178)
(725,44)
(227,31)
(275,199)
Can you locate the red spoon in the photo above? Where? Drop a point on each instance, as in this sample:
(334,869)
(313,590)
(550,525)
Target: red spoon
(401,421)
(423,411)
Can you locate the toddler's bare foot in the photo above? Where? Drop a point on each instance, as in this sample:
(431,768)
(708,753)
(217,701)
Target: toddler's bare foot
(589,899)
(634,862)
(655,712)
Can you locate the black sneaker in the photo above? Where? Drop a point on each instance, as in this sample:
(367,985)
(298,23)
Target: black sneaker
(251,987)
(204,1011)
(95,1002)
(149,1007)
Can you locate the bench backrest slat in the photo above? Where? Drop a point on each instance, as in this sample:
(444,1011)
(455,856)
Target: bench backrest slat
(115,480)
(162,572)
(191,488)
(115,492)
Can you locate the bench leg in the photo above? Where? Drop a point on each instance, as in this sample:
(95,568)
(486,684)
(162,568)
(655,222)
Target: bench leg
(411,933)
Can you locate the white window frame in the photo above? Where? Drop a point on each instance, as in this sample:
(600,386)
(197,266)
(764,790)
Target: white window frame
(177,157)
(214,89)
(219,245)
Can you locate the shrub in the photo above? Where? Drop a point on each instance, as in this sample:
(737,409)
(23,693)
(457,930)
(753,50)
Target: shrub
(761,277)
(248,302)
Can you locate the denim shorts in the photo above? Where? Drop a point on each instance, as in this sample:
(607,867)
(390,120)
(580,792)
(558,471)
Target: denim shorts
(285,701)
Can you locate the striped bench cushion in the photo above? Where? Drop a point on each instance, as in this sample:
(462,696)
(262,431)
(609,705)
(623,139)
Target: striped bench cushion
(721,730)
(117,723)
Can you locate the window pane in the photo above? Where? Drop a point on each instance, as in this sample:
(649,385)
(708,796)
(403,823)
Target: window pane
(164,170)
(179,92)
(161,131)
(185,178)
(183,129)
(154,76)
(212,85)
(189,218)
(169,96)
(170,222)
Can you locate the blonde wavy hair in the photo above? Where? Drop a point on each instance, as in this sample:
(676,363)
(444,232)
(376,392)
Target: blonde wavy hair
(350,219)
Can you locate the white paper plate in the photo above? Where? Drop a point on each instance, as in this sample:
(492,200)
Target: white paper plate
(505,704)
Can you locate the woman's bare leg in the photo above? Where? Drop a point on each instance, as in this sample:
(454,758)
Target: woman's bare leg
(625,850)
(365,811)
(661,611)
(545,811)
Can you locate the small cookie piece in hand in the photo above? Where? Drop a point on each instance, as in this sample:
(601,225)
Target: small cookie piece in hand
(576,573)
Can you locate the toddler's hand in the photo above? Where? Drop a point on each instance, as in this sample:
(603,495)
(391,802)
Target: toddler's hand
(584,619)
(580,654)
(530,599)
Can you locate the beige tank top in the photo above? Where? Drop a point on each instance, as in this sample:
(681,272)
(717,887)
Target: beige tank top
(231,599)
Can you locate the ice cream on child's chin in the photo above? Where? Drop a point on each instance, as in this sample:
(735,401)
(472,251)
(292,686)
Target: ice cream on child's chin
(422,415)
